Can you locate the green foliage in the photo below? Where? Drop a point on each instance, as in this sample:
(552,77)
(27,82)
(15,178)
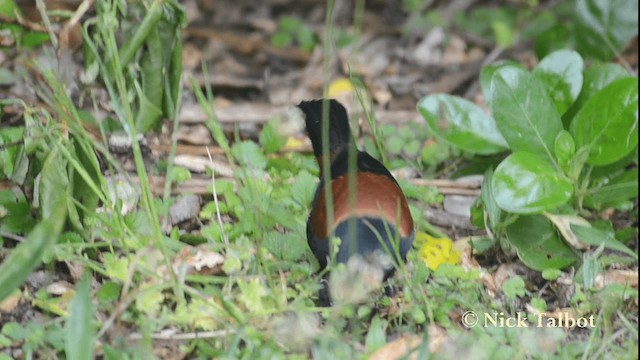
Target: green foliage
(79,332)
(13,32)
(154,44)
(514,288)
(571,133)
(598,29)
(607,124)
(292,30)
(605,26)
(538,244)
(462,124)
(522,174)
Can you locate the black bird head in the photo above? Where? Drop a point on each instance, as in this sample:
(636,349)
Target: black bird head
(339,130)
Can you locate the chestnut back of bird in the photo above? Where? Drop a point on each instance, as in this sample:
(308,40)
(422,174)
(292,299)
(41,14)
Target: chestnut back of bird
(378,219)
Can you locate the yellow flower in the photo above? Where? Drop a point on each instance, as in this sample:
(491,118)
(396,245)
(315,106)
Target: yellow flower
(340,86)
(292,143)
(436,251)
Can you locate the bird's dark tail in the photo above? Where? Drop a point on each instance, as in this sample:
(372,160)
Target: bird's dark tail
(339,131)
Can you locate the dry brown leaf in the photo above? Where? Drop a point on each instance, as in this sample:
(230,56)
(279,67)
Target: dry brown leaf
(199,260)
(397,348)
(10,302)
(58,288)
(623,277)
(195,134)
(469,263)
(438,338)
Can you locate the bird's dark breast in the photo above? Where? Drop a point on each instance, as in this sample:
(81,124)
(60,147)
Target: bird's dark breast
(376,196)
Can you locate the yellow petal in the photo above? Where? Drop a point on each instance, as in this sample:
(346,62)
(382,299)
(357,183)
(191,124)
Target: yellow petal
(293,143)
(436,251)
(340,86)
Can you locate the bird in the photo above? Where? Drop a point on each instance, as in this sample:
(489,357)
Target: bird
(374,224)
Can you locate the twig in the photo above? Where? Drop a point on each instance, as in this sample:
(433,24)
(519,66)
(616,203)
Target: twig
(172,336)
(215,200)
(11,236)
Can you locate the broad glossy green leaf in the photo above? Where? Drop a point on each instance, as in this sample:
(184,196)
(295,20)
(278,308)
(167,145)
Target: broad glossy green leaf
(525,183)
(559,36)
(461,123)
(565,148)
(79,329)
(488,199)
(561,74)
(487,73)
(524,113)
(619,188)
(597,237)
(608,122)
(596,78)
(538,245)
(605,26)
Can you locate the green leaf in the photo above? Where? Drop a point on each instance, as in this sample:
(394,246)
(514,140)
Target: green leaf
(289,246)
(564,148)
(488,199)
(249,154)
(9,155)
(8,8)
(559,36)
(487,73)
(151,90)
(596,78)
(109,292)
(116,268)
(412,148)
(303,188)
(617,189)
(561,74)
(461,123)
(608,122)
(376,337)
(551,274)
(18,218)
(503,33)
(605,26)
(597,237)
(281,39)
(33,38)
(514,288)
(524,113)
(79,329)
(563,223)
(270,139)
(394,144)
(28,254)
(525,183)
(538,245)
(53,184)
